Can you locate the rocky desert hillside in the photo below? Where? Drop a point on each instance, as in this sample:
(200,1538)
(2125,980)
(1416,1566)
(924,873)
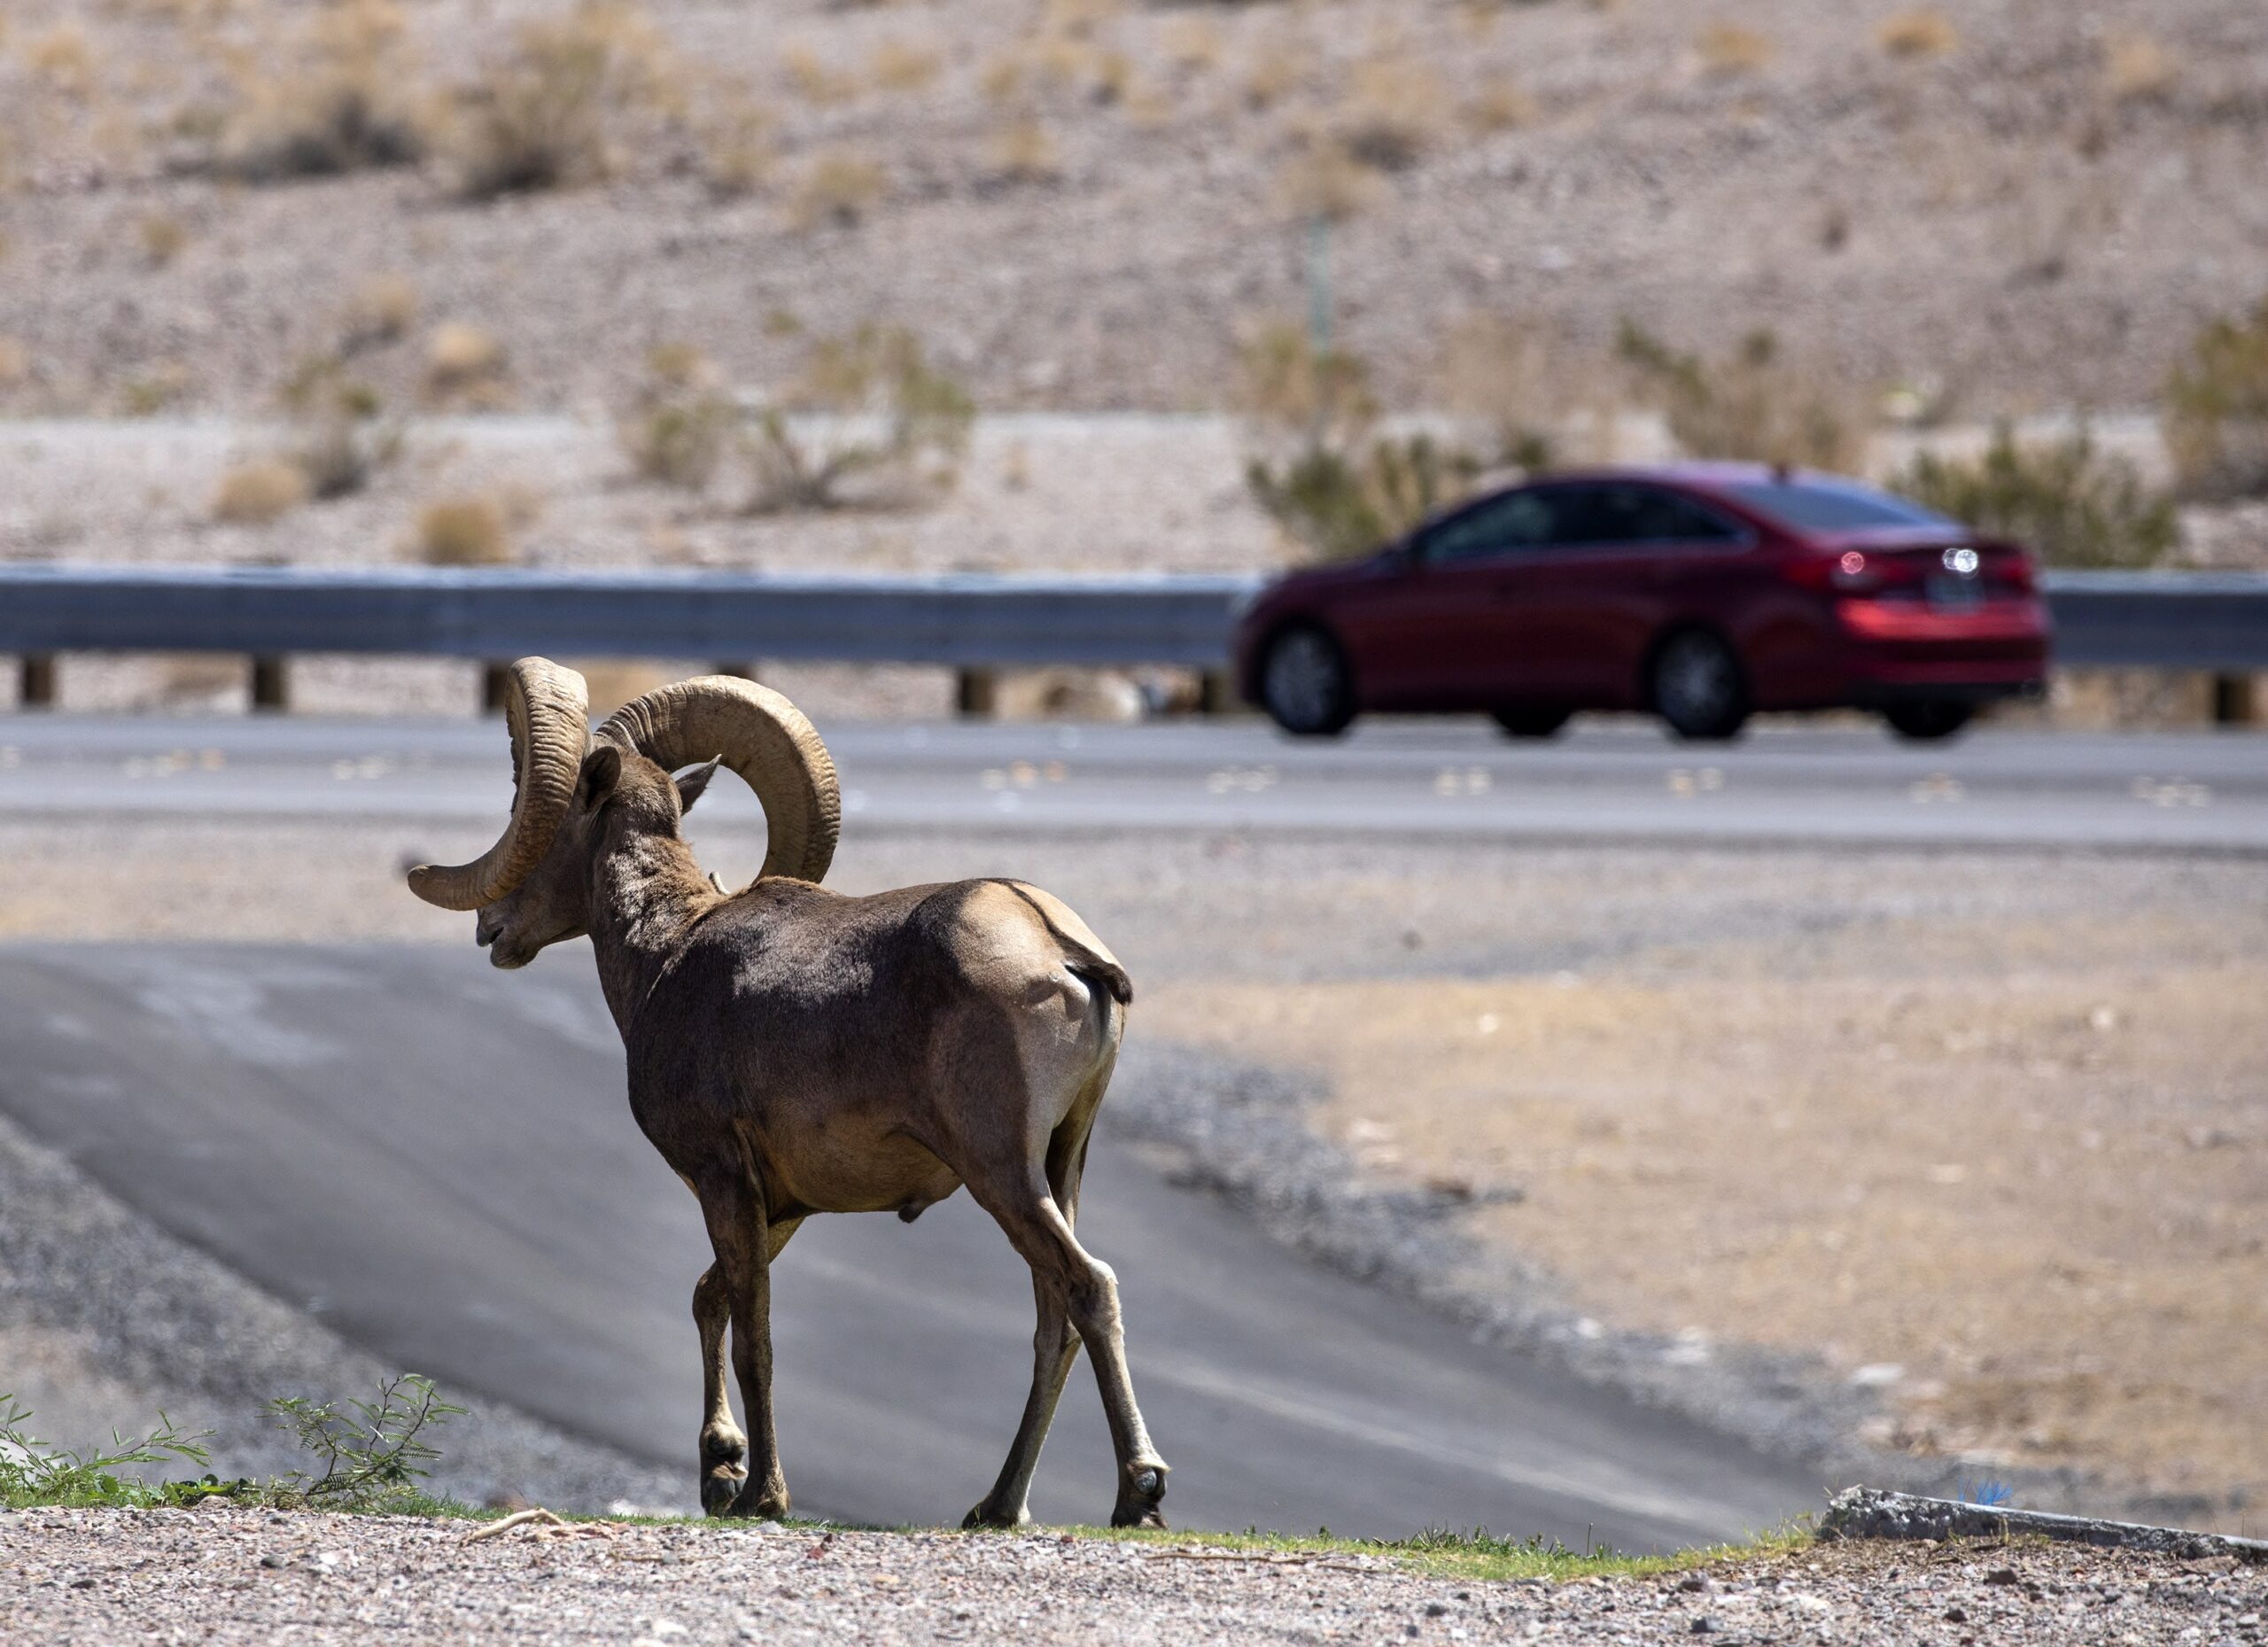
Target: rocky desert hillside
(1997,206)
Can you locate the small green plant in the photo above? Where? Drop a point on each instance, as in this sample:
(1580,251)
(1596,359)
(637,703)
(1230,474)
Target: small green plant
(369,1450)
(1325,475)
(2071,504)
(2216,416)
(1754,405)
(682,424)
(32,1471)
(869,422)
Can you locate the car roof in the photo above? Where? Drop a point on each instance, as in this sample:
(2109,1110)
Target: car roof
(1705,476)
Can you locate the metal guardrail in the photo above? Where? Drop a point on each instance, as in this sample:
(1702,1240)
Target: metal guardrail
(2213,622)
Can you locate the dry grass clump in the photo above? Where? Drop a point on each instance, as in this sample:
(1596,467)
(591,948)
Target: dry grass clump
(1727,49)
(1192,44)
(1754,405)
(898,66)
(1324,181)
(337,105)
(15,361)
(473,531)
(814,79)
(1501,105)
(1530,405)
(2072,505)
(839,186)
(540,117)
(736,151)
(163,239)
(2215,419)
(1925,32)
(259,492)
(1394,112)
(681,426)
(1282,69)
(380,310)
(63,60)
(869,423)
(465,364)
(2137,69)
(1024,152)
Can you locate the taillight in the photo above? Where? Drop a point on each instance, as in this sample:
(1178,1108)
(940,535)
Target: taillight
(1847,573)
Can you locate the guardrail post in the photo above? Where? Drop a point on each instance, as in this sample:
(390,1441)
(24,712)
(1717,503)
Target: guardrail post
(976,693)
(271,684)
(35,685)
(1216,693)
(493,677)
(2235,701)
(742,671)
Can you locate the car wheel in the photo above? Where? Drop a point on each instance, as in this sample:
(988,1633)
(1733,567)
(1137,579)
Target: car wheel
(1696,686)
(1523,721)
(1928,721)
(1305,684)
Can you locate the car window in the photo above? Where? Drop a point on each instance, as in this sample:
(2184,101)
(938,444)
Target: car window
(1833,505)
(1499,526)
(1636,514)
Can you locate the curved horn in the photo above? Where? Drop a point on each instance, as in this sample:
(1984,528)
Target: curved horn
(762,737)
(547,709)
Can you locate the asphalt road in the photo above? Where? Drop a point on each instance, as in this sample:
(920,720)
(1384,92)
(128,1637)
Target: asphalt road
(1608,781)
(438,1158)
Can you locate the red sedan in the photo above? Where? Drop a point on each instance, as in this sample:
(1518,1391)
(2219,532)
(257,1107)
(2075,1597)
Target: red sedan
(1700,593)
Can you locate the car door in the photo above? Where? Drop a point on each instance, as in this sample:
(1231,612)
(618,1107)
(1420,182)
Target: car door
(1601,592)
(1440,631)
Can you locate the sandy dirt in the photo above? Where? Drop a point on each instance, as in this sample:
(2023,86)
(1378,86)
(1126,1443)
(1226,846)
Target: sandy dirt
(224,1575)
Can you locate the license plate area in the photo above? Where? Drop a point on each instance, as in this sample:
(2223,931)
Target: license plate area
(1954,595)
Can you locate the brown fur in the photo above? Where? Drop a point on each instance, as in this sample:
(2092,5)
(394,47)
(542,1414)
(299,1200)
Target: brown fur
(793,1050)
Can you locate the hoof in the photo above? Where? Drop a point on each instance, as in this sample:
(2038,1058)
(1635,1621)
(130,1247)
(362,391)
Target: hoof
(757,1503)
(719,1488)
(985,1516)
(1140,1490)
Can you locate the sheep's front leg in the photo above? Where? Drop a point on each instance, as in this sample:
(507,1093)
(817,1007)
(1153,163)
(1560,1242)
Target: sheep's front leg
(724,1448)
(745,1244)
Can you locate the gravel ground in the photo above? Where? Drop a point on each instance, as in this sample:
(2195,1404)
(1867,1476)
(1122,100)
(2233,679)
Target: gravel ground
(229,1574)
(104,1319)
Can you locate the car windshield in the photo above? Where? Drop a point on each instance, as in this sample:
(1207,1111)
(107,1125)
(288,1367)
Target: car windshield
(1833,505)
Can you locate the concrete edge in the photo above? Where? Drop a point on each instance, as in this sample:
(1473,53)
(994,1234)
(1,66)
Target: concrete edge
(1874,1512)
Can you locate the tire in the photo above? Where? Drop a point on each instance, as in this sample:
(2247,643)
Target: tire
(1527,721)
(1696,686)
(1306,684)
(1928,719)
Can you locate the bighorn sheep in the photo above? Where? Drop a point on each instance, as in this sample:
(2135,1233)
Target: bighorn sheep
(793,1050)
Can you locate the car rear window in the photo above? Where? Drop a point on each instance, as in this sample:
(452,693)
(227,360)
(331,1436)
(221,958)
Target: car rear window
(1827,506)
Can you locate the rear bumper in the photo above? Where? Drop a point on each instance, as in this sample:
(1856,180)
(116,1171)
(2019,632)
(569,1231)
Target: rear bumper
(1903,650)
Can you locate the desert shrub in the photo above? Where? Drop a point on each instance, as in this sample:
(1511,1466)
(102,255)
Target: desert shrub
(736,150)
(1023,152)
(344,437)
(368,1451)
(381,309)
(2071,504)
(868,421)
(681,427)
(1728,49)
(1501,105)
(162,238)
(1323,472)
(63,60)
(2137,69)
(2215,412)
(337,105)
(464,363)
(1755,405)
(540,117)
(814,80)
(837,187)
(1323,178)
(898,67)
(1507,380)
(1394,112)
(1922,33)
(464,531)
(259,492)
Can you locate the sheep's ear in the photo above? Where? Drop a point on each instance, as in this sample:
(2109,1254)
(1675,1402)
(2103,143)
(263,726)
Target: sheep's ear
(601,770)
(690,785)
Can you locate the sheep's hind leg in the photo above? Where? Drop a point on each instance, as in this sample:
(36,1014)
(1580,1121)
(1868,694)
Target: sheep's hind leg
(1054,1346)
(745,1244)
(1037,1227)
